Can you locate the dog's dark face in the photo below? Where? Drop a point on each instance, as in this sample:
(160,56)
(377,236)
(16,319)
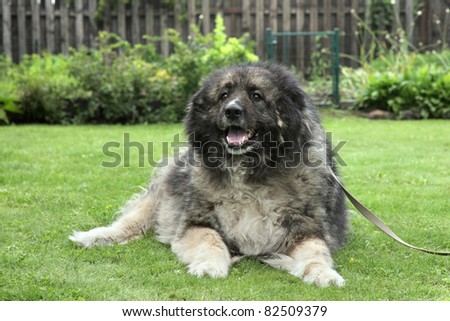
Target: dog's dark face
(250,109)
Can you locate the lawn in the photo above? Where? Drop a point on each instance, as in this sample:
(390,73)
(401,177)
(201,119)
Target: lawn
(52,182)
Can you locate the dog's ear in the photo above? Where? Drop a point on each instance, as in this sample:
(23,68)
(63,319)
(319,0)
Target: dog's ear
(300,115)
(197,118)
(199,97)
(196,100)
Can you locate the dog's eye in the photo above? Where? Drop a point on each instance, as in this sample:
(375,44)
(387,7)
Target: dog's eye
(223,96)
(256,97)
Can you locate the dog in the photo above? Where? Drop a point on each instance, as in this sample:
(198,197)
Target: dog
(254,181)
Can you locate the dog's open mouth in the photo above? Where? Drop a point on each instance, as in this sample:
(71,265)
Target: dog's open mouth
(237,136)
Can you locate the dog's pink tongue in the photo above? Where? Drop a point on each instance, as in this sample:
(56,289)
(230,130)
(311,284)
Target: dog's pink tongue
(236,136)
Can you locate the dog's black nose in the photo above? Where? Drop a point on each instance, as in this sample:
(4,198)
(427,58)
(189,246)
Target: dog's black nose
(233,111)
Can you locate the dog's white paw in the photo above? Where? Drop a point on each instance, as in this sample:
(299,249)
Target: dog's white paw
(211,269)
(204,251)
(322,275)
(94,237)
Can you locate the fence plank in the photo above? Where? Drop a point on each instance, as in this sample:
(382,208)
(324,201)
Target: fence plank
(79,27)
(163,27)
(286,15)
(397,23)
(341,15)
(246,17)
(220,6)
(135,29)
(177,18)
(21,27)
(7,45)
(327,16)
(273,15)
(121,20)
(354,33)
(300,22)
(36,28)
(206,12)
(64,37)
(259,33)
(50,26)
(191,12)
(92,10)
(313,26)
(149,18)
(409,19)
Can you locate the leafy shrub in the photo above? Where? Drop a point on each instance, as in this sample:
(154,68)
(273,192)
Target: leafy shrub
(8,90)
(120,83)
(422,87)
(45,89)
(193,60)
(396,77)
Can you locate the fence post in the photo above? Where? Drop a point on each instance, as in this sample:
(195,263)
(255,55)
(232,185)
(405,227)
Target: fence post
(21,26)
(50,26)
(286,50)
(269,47)
(36,27)
(7,45)
(79,26)
(335,66)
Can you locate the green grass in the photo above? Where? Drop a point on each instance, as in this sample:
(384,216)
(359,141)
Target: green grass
(51,182)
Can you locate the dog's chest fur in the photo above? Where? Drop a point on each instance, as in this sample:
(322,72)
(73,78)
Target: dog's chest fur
(250,216)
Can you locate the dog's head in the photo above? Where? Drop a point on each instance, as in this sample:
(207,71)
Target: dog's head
(250,109)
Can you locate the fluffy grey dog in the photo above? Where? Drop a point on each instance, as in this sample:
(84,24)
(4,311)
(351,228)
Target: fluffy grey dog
(254,181)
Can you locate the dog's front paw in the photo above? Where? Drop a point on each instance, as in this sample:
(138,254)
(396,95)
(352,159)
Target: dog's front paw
(322,275)
(204,251)
(211,269)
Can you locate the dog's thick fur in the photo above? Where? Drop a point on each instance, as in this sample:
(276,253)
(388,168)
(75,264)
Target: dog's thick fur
(254,181)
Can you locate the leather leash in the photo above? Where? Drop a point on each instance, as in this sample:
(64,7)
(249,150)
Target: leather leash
(378,223)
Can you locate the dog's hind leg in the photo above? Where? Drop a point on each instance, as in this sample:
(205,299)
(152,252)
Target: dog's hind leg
(136,219)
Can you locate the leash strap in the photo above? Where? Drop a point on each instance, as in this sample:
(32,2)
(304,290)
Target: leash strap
(377,222)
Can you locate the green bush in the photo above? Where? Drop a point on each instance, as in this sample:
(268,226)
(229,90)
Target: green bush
(120,83)
(192,61)
(8,90)
(421,87)
(397,76)
(45,89)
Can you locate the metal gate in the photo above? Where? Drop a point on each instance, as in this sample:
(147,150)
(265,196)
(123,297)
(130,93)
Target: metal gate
(271,43)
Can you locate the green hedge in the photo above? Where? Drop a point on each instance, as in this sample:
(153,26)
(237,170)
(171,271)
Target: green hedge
(117,83)
(423,91)
(407,83)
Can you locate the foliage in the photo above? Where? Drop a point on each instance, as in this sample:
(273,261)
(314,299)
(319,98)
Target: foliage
(8,91)
(193,60)
(45,89)
(119,80)
(320,61)
(424,91)
(121,83)
(395,76)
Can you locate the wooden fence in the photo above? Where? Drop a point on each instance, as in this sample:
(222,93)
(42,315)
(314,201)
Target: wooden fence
(33,26)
